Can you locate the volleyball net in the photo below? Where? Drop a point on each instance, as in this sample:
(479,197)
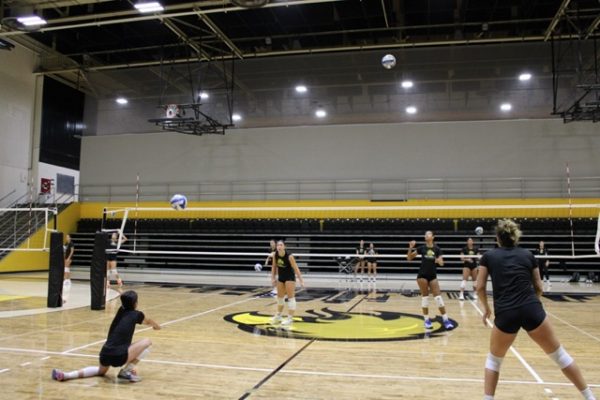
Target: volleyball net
(26,229)
(323,238)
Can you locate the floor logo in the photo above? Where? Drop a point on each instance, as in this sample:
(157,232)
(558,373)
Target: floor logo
(327,324)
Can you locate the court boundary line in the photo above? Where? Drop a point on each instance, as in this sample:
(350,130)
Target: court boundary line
(295,371)
(573,326)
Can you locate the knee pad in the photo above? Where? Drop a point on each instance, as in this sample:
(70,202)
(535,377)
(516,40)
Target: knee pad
(292,303)
(112,272)
(561,358)
(439,301)
(67,270)
(493,363)
(425,302)
(463,284)
(281,301)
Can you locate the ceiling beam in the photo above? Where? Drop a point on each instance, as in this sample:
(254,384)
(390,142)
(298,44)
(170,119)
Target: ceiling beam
(40,5)
(213,27)
(387,24)
(559,13)
(201,54)
(592,27)
(479,41)
(97,20)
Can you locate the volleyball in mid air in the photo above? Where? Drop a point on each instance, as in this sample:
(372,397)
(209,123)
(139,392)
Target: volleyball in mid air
(179,202)
(479,231)
(388,61)
(258,267)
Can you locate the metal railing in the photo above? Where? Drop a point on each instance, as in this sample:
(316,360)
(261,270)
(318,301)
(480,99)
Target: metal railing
(371,189)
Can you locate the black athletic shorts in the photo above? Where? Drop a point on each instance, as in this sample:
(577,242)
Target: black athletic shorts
(528,317)
(286,274)
(111,257)
(470,266)
(429,277)
(112,360)
(372,260)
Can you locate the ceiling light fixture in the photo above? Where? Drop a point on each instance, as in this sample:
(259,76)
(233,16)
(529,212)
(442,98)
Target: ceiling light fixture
(525,76)
(505,107)
(407,84)
(150,6)
(301,89)
(32,20)
(411,110)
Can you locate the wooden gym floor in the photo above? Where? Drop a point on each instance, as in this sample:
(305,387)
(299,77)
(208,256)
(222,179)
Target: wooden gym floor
(216,343)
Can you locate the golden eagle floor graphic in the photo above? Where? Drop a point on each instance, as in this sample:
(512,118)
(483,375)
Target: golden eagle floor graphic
(327,324)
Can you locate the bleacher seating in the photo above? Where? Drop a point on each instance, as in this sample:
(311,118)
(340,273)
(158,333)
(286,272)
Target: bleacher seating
(329,236)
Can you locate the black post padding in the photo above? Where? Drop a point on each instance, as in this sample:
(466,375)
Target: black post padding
(98,271)
(56,270)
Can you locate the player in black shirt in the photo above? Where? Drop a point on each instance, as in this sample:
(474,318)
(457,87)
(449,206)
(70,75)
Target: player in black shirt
(517,287)
(269,260)
(360,264)
(544,263)
(371,264)
(68,250)
(431,257)
(283,274)
(111,259)
(118,349)
(469,267)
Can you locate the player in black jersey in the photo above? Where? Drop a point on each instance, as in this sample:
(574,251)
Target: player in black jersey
(68,251)
(360,264)
(284,271)
(269,260)
(467,255)
(431,257)
(517,288)
(542,262)
(111,259)
(118,349)
(371,263)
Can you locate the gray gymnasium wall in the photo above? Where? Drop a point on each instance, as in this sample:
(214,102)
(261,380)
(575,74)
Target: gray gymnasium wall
(17,100)
(503,148)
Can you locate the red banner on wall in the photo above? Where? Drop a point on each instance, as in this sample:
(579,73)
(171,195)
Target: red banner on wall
(46,186)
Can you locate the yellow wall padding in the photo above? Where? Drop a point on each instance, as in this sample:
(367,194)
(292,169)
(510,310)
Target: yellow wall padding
(468,209)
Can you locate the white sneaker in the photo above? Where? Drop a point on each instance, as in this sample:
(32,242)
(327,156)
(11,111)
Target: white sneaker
(276,319)
(287,322)
(475,297)
(461,296)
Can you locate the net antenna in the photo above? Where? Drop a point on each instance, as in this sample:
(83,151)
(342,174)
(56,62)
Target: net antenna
(189,117)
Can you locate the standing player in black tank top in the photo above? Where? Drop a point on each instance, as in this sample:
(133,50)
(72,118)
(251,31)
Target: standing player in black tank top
(517,287)
(68,251)
(469,267)
(111,260)
(360,264)
(283,274)
(269,260)
(431,257)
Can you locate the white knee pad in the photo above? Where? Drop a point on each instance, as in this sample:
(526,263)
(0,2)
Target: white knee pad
(425,301)
(67,270)
(561,358)
(493,363)
(292,303)
(281,301)
(439,301)
(463,284)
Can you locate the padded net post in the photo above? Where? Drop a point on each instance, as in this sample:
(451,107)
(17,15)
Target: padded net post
(98,271)
(56,270)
